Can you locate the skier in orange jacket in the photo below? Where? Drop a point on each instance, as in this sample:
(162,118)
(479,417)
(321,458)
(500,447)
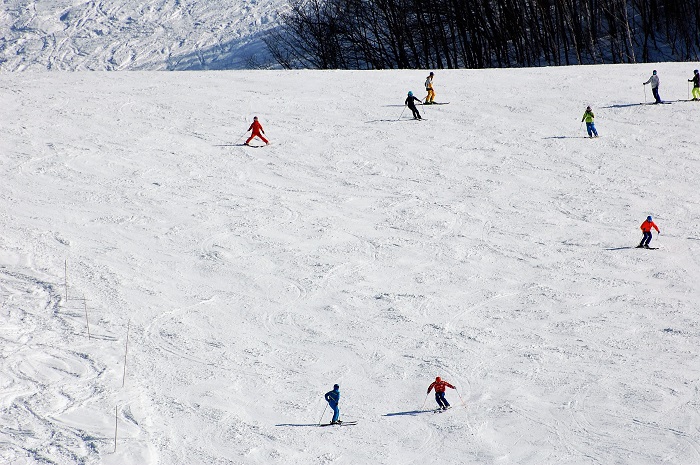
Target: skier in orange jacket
(440,386)
(646,229)
(258,130)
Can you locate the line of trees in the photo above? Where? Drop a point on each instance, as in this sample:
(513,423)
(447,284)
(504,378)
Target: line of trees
(386,34)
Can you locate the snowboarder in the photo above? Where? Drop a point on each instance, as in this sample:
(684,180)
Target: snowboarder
(333,397)
(646,229)
(430,98)
(654,80)
(590,125)
(410,101)
(696,85)
(258,130)
(440,386)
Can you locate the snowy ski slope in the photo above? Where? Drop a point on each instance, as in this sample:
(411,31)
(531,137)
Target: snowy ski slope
(490,244)
(75,35)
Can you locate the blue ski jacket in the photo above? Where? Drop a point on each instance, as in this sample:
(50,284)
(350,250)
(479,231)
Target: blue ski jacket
(333,397)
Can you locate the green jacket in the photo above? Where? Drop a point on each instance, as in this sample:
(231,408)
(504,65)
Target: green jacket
(588,116)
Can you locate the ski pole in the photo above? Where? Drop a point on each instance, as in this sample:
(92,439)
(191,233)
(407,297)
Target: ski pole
(688,90)
(460,397)
(404,109)
(240,137)
(645,94)
(424,401)
(324,412)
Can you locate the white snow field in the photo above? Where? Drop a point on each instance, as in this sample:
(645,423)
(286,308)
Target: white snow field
(491,244)
(136,34)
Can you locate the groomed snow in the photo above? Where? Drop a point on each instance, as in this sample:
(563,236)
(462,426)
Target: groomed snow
(490,244)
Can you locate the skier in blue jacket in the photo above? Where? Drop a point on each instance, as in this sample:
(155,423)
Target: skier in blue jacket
(333,398)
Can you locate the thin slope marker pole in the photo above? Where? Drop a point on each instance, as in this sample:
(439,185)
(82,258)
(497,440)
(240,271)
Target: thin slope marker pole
(116,425)
(87,320)
(126,351)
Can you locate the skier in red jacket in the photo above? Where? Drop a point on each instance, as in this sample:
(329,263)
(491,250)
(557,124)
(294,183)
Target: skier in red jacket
(440,386)
(258,130)
(646,229)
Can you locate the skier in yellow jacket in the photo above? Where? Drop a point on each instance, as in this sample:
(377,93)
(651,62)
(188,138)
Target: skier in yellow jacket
(430,98)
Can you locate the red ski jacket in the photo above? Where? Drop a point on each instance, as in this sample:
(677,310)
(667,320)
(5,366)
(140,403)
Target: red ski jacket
(439,386)
(647,225)
(256,127)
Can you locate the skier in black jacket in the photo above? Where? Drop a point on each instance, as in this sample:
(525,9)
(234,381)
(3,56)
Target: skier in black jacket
(696,85)
(410,101)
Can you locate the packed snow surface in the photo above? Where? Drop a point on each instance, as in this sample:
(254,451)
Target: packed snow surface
(491,244)
(136,34)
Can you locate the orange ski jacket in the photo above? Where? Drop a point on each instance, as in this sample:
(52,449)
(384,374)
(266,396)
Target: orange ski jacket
(647,225)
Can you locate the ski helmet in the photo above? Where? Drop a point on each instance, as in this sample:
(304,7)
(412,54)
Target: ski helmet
(696,71)
(431,73)
(654,72)
(410,93)
(336,387)
(648,218)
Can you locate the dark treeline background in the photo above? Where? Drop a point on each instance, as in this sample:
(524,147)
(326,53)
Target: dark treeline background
(385,34)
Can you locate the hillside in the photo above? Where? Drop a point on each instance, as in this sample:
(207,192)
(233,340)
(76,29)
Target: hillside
(490,244)
(153,35)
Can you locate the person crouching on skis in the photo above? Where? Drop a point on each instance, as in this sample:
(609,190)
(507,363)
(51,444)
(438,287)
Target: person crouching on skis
(333,398)
(410,102)
(646,229)
(258,130)
(440,386)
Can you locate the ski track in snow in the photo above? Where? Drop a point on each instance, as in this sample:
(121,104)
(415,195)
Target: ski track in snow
(486,244)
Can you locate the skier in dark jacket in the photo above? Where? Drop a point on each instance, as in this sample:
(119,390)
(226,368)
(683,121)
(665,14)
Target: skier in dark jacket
(333,398)
(410,101)
(696,85)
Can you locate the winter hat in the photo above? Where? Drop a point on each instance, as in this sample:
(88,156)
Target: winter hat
(431,73)
(696,71)
(588,107)
(336,387)
(255,118)
(410,93)
(438,379)
(654,72)
(648,218)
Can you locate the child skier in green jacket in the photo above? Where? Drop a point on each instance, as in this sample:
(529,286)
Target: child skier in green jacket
(590,126)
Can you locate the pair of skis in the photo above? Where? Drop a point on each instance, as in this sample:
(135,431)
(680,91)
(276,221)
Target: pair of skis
(342,423)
